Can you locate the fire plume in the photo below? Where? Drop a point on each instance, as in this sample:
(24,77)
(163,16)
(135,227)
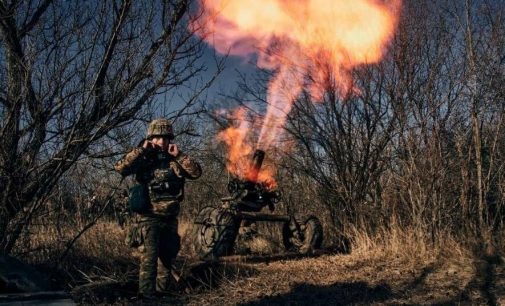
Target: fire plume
(240,150)
(309,44)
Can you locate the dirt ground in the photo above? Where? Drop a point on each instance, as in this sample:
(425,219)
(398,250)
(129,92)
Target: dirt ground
(355,279)
(346,280)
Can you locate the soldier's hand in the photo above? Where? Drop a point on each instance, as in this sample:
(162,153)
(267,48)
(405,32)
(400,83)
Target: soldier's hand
(173,150)
(148,145)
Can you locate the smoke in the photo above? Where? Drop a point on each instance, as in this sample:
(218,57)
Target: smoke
(302,42)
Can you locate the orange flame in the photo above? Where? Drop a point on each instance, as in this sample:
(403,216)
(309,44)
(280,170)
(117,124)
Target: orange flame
(240,150)
(303,41)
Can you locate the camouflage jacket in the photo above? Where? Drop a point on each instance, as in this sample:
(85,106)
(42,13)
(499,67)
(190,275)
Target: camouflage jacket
(163,174)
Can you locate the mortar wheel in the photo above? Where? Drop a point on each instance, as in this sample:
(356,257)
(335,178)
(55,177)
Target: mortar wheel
(303,238)
(214,233)
(199,226)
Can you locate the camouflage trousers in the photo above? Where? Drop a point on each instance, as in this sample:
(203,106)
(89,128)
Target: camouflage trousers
(160,247)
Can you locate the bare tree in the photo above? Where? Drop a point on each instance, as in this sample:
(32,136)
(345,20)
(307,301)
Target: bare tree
(451,115)
(482,24)
(76,73)
(342,143)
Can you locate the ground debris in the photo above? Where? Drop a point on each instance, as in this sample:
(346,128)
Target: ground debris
(322,279)
(359,280)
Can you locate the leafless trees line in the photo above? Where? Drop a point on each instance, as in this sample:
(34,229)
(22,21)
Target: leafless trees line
(423,143)
(76,77)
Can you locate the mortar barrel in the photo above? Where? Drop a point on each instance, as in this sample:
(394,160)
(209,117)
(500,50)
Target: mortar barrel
(257,161)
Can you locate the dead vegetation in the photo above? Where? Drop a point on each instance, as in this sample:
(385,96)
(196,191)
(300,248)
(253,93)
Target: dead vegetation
(408,176)
(397,267)
(394,267)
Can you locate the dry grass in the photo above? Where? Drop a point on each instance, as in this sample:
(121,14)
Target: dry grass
(394,266)
(409,242)
(99,254)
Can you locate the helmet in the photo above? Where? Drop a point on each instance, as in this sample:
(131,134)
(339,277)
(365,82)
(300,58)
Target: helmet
(160,127)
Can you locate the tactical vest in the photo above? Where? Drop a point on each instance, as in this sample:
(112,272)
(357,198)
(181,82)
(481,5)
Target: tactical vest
(165,184)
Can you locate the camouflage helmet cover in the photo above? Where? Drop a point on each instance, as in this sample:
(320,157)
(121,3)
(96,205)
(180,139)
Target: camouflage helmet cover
(160,127)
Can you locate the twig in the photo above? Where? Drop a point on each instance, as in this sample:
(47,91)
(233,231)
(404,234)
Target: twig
(91,223)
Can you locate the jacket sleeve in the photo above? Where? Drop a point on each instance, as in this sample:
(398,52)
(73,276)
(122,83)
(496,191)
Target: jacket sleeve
(190,167)
(130,162)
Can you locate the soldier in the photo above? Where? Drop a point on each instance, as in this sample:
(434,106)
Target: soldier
(161,168)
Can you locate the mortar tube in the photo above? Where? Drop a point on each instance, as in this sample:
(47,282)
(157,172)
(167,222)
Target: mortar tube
(257,161)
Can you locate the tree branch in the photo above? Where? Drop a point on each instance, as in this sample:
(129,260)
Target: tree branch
(35,18)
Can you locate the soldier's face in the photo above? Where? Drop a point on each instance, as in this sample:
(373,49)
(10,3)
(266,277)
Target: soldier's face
(161,141)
